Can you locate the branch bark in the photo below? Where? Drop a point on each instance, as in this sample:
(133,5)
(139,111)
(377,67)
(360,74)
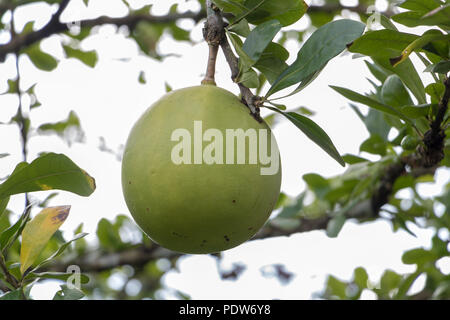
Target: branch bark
(54,26)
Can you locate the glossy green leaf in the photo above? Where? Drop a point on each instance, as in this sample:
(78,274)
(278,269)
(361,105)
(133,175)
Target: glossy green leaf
(48,172)
(271,67)
(382,43)
(286,11)
(394,93)
(323,45)
(442,67)
(232,6)
(314,132)
(435,91)
(438,16)
(419,43)
(416,111)
(259,38)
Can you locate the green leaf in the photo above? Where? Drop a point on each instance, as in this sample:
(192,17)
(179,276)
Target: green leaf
(394,93)
(286,11)
(55,276)
(89,58)
(418,256)
(323,45)
(50,171)
(356,97)
(61,249)
(435,91)
(3,204)
(68,294)
(292,210)
(421,6)
(419,43)
(249,78)
(377,71)
(245,61)
(235,7)
(352,159)
(384,44)
(360,277)
(271,67)
(69,129)
(416,111)
(12,295)
(259,38)
(335,225)
(314,132)
(336,288)
(438,16)
(390,280)
(9,234)
(38,232)
(375,145)
(40,59)
(12,86)
(241,28)
(442,67)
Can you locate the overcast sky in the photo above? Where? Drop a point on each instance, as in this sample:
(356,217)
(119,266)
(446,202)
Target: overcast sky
(108,99)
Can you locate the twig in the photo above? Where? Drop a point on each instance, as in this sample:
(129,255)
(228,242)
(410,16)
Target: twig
(54,26)
(213,32)
(215,26)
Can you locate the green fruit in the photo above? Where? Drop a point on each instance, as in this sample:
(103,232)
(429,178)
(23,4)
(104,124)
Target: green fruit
(197,208)
(410,143)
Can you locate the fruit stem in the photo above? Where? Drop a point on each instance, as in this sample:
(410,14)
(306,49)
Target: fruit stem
(213,33)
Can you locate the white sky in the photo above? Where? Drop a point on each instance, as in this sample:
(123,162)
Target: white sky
(108,99)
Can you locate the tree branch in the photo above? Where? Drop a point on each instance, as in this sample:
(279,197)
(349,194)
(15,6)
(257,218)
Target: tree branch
(54,26)
(425,160)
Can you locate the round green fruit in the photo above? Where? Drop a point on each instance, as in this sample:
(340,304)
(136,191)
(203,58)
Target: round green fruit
(183,175)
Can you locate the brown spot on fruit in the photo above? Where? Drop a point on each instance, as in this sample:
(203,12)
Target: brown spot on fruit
(226,238)
(250,228)
(234,201)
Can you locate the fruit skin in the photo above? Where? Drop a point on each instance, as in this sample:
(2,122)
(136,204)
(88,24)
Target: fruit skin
(195,208)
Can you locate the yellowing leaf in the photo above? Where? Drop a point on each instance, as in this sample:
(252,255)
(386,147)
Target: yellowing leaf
(38,232)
